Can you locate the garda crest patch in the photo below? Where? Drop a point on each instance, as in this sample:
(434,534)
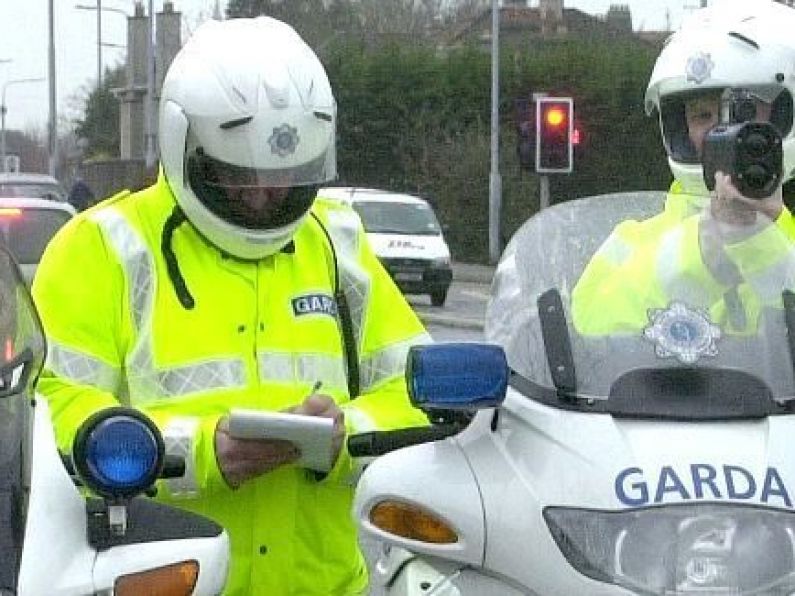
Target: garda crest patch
(284,140)
(314,304)
(682,333)
(699,67)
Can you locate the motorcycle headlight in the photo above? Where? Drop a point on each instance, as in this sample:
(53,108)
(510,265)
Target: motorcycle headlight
(681,549)
(118,453)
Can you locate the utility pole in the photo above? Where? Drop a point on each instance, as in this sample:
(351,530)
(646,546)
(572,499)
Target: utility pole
(149,106)
(52,124)
(99,44)
(495,181)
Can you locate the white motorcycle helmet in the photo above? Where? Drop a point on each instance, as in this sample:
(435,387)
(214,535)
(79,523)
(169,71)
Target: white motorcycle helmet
(246,106)
(743,46)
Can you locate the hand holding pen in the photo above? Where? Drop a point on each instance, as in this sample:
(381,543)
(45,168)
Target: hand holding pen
(323,405)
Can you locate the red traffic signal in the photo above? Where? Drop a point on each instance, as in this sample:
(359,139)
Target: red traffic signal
(554,134)
(555,116)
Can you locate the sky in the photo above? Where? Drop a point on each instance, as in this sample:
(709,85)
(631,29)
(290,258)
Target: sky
(24,41)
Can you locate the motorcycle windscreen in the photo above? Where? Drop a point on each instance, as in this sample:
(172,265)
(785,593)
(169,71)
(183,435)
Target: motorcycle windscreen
(22,350)
(587,309)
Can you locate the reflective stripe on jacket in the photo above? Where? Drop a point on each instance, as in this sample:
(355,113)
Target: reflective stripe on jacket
(643,264)
(259,336)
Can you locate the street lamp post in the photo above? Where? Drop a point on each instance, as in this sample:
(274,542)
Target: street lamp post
(52,125)
(99,8)
(99,44)
(150,107)
(4,109)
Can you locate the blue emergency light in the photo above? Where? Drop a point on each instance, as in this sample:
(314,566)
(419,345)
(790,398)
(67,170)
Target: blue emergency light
(118,453)
(457,376)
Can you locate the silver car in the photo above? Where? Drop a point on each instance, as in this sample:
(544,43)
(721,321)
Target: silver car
(27,225)
(28,184)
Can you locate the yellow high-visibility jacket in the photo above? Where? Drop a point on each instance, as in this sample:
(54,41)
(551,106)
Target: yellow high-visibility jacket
(644,264)
(259,335)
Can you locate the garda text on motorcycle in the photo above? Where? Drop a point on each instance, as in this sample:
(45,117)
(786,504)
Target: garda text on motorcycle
(59,539)
(626,429)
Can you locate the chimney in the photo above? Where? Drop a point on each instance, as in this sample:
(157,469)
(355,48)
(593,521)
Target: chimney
(131,111)
(551,12)
(168,36)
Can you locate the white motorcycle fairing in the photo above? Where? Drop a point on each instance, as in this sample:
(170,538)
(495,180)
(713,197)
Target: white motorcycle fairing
(57,557)
(566,459)
(599,463)
(447,466)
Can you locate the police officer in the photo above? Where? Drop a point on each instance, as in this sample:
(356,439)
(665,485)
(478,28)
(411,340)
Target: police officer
(226,284)
(744,46)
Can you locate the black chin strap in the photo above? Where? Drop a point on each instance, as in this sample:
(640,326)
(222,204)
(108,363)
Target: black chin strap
(176,219)
(349,344)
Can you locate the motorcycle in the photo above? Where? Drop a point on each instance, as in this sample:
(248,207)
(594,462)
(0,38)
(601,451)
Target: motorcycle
(55,537)
(622,441)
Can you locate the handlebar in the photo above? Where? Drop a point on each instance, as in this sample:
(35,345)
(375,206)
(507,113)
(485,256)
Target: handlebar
(173,467)
(376,443)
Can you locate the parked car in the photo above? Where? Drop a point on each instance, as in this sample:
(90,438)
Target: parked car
(405,235)
(26,226)
(27,184)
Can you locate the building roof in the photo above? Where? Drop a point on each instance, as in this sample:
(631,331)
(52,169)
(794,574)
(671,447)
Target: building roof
(521,18)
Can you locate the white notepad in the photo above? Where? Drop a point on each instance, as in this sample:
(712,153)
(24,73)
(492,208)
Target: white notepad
(311,434)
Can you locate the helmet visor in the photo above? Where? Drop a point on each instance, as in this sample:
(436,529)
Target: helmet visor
(260,172)
(247,197)
(226,176)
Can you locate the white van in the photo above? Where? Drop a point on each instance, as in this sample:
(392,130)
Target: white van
(406,237)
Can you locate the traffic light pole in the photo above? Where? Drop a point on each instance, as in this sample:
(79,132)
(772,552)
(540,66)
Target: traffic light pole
(543,191)
(543,179)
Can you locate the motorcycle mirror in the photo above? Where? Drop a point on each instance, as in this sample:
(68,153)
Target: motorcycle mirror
(457,376)
(118,453)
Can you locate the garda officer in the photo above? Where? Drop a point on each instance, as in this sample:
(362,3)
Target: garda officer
(705,238)
(226,284)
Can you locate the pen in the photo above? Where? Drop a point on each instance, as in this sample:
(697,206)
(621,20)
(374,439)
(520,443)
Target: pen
(316,387)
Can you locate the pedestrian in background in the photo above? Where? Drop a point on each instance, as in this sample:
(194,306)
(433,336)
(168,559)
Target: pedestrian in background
(81,196)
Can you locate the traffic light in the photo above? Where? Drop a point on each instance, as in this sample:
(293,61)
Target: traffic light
(524,119)
(554,134)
